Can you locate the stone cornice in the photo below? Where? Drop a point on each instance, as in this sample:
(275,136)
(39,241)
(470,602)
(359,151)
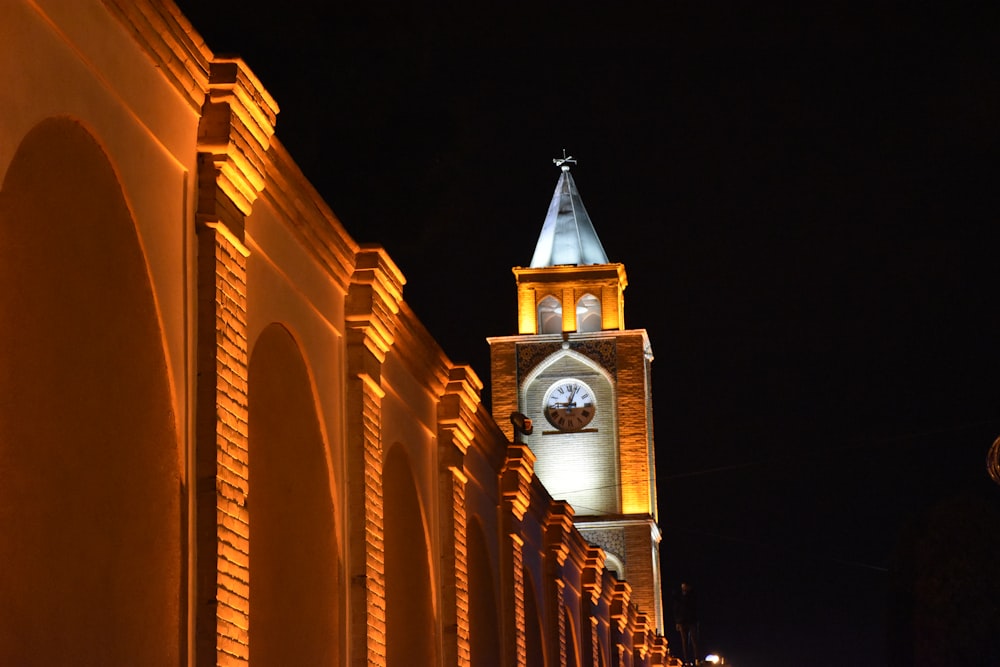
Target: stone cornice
(559,274)
(458,406)
(373,299)
(170,41)
(593,573)
(559,530)
(621,597)
(419,352)
(308,215)
(641,633)
(516,477)
(235,131)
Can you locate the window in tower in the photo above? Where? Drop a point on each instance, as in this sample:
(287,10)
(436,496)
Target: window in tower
(588,313)
(549,315)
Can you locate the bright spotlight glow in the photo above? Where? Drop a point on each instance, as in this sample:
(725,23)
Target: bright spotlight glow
(712,658)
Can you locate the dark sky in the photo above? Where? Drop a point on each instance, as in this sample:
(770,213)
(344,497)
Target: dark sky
(805,200)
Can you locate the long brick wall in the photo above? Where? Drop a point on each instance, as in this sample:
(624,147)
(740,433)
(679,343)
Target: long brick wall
(219,162)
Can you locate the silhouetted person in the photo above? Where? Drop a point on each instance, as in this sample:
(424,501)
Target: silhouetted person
(686,622)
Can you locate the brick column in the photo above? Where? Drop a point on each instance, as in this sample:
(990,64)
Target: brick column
(235,129)
(456,414)
(593,574)
(558,526)
(641,633)
(658,651)
(515,489)
(373,300)
(621,639)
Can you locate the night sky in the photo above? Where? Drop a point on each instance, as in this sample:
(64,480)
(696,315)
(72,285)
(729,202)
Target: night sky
(805,201)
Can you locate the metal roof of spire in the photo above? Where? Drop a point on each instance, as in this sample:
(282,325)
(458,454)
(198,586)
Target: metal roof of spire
(568,235)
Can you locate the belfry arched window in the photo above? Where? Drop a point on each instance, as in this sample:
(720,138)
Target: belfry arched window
(588,313)
(549,315)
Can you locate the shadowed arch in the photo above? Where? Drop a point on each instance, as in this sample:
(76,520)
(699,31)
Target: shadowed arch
(534,644)
(484,622)
(572,638)
(410,623)
(90,554)
(295,590)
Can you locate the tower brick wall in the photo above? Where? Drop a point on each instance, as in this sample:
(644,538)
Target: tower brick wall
(633,425)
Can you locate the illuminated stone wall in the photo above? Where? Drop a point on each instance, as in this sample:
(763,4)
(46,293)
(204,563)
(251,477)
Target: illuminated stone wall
(225,439)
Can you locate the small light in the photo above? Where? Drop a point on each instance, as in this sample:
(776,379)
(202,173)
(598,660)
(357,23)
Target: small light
(712,658)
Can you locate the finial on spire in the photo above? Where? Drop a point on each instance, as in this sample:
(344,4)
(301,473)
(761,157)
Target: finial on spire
(564,161)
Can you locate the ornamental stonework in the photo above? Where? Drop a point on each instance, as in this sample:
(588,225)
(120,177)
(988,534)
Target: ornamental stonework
(612,540)
(603,351)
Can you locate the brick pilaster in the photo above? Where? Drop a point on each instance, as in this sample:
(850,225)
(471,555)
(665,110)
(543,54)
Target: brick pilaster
(223,522)
(621,639)
(373,300)
(456,412)
(230,176)
(515,489)
(558,586)
(558,526)
(658,652)
(592,576)
(640,635)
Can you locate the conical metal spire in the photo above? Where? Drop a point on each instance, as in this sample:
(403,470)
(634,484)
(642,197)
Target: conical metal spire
(568,235)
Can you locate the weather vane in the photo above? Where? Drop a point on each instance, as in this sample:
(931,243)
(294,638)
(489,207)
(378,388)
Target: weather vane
(564,161)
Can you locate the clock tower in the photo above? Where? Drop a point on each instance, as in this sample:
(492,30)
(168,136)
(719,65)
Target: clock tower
(584,380)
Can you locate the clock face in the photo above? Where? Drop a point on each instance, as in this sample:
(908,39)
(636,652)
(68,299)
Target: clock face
(569,405)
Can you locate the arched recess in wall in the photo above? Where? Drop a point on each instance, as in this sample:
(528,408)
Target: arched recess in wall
(484,623)
(410,623)
(90,554)
(615,565)
(572,639)
(295,591)
(580,467)
(532,625)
